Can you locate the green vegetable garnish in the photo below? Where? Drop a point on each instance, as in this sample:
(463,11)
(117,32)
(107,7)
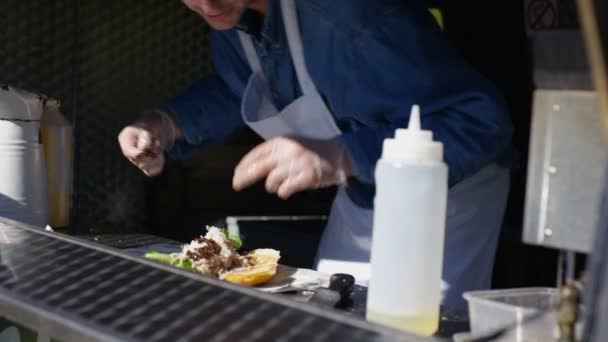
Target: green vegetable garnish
(234,238)
(169,259)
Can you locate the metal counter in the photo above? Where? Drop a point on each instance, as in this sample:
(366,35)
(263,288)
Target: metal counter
(452,320)
(76,290)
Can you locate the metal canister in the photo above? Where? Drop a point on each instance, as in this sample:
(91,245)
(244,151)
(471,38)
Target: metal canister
(23,189)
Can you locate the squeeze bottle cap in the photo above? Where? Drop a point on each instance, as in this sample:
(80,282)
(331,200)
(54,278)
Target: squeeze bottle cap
(52,104)
(52,115)
(412,145)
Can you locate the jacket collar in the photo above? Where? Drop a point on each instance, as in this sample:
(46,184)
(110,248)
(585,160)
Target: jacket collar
(269,28)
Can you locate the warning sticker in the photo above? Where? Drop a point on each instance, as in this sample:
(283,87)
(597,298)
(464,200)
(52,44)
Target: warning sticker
(541,14)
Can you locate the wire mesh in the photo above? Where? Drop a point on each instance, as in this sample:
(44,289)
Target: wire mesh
(106,61)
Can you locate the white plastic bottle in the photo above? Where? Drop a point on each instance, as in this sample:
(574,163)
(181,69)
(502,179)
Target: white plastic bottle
(409,229)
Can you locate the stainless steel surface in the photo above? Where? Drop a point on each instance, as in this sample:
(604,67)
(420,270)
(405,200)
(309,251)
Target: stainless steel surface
(570,266)
(560,61)
(452,320)
(565,170)
(76,290)
(232,222)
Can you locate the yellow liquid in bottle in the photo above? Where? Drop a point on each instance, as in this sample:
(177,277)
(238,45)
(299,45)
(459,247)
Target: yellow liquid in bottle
(424,325)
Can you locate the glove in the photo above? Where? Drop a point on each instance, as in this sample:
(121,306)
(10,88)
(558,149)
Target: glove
(291,165)
(144,141)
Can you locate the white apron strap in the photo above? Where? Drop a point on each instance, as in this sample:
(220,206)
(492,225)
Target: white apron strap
(250,53)
(294,39)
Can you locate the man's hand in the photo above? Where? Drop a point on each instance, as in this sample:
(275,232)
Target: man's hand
(144,141)
(291,165)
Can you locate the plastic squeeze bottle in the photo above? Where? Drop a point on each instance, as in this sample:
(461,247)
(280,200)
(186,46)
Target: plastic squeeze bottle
(408,231)
(56,133)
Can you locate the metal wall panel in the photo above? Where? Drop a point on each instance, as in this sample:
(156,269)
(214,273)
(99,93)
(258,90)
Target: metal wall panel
(560,60)
(565,170)
(106,61)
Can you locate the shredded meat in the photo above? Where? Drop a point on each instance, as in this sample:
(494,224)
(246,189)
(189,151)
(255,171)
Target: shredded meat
(208,250)
(213,253)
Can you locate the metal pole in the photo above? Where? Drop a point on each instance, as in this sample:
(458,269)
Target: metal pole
(593,14)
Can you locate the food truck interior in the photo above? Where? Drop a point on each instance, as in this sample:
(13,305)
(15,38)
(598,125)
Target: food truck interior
(106,61)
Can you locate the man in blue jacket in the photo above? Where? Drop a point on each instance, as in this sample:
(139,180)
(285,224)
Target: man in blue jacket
(324,83)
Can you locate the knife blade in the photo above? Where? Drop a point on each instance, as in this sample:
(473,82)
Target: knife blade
(337,294)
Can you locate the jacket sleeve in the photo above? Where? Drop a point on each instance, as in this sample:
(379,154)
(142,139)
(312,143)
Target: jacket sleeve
(402,61)
(209,111)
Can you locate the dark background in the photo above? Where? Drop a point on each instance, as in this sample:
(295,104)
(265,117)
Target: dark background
(108,60)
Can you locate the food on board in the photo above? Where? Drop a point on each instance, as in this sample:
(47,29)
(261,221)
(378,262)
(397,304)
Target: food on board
(216,253)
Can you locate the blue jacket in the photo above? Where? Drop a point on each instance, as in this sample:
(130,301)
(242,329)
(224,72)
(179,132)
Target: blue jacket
(370,60)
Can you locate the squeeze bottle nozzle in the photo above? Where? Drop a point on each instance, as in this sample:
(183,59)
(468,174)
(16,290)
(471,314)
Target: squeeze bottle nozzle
(413,144)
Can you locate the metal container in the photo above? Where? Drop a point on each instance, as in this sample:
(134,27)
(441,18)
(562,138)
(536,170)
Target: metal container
(495,309)
(23,191)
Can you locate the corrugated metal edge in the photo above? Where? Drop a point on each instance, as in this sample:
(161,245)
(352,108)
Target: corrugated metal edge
(46,321)
(328,314)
